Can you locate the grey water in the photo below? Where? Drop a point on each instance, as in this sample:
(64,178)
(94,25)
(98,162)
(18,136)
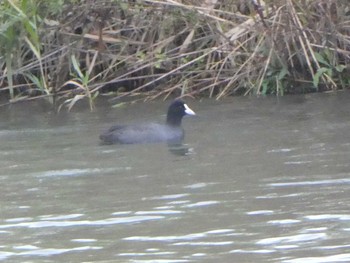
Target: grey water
(257,180)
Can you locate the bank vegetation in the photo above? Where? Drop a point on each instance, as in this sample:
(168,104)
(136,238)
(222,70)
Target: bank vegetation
(68,51)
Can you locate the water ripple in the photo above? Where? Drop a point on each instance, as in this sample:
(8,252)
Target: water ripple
(260,212)
(75,172)
(283,221)
(108,221)
(44,252)
(193,236)
(164,212)
(328,217)
(166,197)
(213,243)
(291,239)
(334,258)
(306,183)
(203,203)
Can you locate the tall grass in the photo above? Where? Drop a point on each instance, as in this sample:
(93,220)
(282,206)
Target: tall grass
(66,51)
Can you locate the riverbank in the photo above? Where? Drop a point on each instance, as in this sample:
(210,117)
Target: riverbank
(69,51)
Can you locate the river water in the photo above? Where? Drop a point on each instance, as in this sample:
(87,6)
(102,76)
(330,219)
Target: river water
(257,180)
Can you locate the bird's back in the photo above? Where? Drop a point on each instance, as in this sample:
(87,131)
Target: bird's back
(142,133)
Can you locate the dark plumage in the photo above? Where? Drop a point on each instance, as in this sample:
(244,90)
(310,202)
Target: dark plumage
(170,132)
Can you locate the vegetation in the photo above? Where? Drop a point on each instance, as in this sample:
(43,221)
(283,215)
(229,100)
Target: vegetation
(66,51)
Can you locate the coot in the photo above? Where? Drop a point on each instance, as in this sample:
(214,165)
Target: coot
(170,132)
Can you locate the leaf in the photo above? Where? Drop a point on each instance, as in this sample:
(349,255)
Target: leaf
(317,76)
(74,100)
(75,83)
(321,59)
(118,105)
(187,41)
(35,80)
(124,6)
(340,68)
(32,30)
(265,87)
(33,48)
(76,66)
(282,73)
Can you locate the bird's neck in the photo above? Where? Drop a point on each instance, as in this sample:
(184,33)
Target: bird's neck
(173,121)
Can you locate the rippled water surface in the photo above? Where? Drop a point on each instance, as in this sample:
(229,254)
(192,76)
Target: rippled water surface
(258,180)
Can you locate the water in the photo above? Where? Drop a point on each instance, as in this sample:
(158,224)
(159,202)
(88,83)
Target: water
(258,180)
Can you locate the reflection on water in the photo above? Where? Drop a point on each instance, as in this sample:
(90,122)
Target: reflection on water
(256,180)
(180,149)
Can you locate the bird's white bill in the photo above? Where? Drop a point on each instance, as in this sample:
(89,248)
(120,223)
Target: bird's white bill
(188,111)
